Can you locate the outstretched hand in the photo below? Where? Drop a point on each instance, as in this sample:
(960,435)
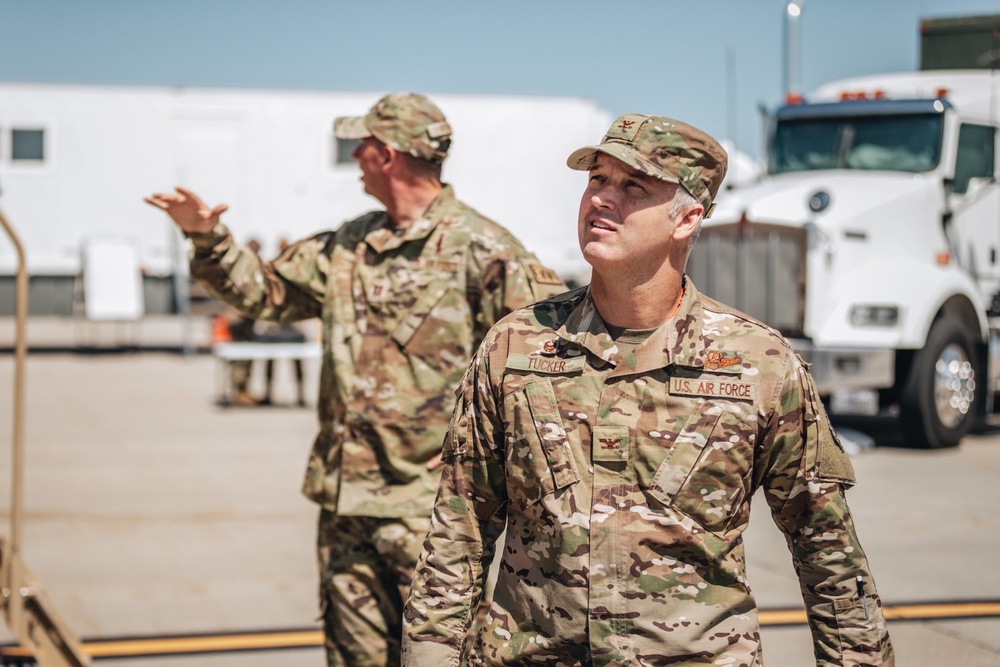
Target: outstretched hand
(187,210)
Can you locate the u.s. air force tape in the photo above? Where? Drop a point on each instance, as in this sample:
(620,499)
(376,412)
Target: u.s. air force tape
(713,387)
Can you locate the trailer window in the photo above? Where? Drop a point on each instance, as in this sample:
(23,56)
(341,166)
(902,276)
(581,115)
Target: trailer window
(909,143)
(27,144)
(976,156)
(343,148)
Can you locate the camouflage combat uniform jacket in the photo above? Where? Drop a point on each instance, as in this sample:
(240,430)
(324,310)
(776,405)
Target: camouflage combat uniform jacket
(624,484)
(402,313)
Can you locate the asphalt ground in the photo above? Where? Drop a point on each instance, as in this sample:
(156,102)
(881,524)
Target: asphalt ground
(151,511)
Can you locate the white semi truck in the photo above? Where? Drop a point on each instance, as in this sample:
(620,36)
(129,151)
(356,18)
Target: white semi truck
(873,244)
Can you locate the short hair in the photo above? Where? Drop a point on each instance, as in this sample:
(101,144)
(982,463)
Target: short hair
(682,201)
(421,167)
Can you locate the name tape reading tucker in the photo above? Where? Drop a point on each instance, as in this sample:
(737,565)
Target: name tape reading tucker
(713,388)
(538,364)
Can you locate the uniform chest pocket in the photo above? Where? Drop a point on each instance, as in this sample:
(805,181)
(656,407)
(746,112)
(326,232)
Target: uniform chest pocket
(436,327)
(699,466)
(538,456)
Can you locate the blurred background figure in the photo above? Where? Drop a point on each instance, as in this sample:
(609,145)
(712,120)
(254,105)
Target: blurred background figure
(405,293)
(282,332)
(241,330)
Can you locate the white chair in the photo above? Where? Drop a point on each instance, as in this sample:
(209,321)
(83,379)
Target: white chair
(112,283)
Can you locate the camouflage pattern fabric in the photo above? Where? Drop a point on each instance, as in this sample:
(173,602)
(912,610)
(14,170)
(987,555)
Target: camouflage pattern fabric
(402,313)
(624,482)
(240,371)
(366,566)
(409,122)
(664,148)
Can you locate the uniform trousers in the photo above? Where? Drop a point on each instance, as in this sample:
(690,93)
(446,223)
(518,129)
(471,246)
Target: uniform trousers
(366,566)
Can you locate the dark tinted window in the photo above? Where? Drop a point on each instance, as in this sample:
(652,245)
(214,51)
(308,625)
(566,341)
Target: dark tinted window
(976,157)
(343,150)
(27,144)
(908,142)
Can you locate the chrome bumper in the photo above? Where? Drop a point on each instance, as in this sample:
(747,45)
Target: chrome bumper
(835,369)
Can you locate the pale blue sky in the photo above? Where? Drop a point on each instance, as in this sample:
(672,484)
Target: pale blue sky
(710,63)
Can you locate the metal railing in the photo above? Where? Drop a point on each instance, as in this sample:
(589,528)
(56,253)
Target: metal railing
(31,617)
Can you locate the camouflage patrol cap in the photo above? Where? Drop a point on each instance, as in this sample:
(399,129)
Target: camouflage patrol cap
(665,148)
(408,122)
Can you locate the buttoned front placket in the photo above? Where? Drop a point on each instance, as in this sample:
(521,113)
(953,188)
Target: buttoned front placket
(608,549)
(378,305)
(617,413)
(372,288)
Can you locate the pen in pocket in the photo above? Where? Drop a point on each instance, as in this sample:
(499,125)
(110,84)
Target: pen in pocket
(861,594)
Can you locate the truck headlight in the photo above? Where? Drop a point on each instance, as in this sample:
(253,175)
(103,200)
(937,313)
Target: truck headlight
(872,315)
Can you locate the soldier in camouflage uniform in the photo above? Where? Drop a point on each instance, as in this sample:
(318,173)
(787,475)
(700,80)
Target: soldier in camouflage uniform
(618,433)
(405,296)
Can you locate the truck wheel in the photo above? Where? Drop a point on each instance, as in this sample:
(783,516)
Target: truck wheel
(938,402)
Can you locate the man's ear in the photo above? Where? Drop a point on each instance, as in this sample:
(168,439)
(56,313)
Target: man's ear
(687,222)
(390,158)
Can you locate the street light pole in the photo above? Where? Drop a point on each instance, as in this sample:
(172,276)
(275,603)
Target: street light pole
(793,12)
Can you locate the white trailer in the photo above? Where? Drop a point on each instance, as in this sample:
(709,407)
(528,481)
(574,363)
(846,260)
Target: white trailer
(872,244)
(76,162)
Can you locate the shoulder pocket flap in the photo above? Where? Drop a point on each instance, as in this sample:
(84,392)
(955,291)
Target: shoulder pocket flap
(834,463)
(824,454)
(551,434)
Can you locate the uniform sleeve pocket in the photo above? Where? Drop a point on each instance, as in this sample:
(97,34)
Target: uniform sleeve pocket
(825,455)
(862,635)
(457,439)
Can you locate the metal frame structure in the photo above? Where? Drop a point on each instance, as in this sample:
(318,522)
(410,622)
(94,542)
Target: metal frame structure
(31,617)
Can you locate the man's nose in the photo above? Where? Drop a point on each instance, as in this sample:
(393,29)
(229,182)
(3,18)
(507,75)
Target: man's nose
(602,199)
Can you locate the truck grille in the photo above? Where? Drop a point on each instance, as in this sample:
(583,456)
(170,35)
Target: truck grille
(756,268)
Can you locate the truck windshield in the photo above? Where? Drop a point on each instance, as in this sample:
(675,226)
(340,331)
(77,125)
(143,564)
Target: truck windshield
(904,142)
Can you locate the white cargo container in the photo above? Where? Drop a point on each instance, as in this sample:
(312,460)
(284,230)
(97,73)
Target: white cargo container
(76,161)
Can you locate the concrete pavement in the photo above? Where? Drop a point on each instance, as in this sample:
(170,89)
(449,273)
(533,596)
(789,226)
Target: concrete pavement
(150,510)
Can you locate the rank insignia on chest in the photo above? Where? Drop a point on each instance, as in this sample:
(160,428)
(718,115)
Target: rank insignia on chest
(713,387)
(378,289)
(536,363)
(610,443)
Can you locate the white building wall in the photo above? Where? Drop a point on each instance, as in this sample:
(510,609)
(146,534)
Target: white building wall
(269,155)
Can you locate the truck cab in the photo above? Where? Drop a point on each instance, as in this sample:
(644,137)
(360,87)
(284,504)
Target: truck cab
(872,245)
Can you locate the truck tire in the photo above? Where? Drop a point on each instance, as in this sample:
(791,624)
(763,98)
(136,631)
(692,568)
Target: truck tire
(938,402)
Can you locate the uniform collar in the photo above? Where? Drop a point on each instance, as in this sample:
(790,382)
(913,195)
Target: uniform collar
(678,341)
(687,343)
(584,327)
(385,237)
